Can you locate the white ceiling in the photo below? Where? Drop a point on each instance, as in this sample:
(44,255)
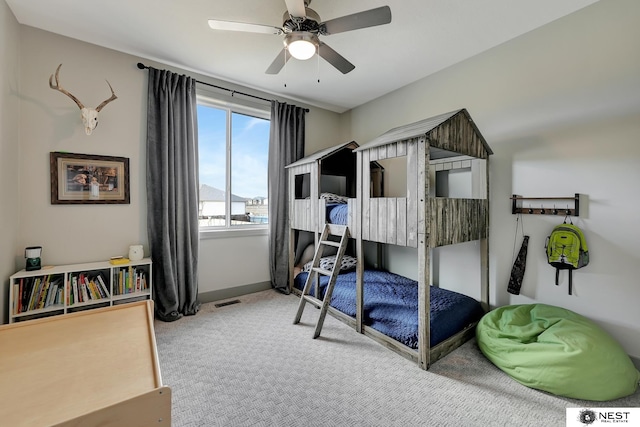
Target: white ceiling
(424,36)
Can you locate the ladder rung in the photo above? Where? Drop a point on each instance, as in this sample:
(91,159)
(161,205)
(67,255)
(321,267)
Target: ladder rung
(330,243)
(321,271)
(313,300)
(336,230)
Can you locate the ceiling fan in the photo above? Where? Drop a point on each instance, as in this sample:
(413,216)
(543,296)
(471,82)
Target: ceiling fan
(302,27)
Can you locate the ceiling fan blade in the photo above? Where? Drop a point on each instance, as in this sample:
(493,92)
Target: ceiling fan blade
(368,18)
(296,8)
(278,62)
(241,26)
(335,59)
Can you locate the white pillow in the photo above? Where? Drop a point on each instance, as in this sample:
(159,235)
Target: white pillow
(326,263)
(334,198)
(307,254)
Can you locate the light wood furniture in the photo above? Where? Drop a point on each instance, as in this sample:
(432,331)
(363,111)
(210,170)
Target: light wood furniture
(90,368)
(64,274)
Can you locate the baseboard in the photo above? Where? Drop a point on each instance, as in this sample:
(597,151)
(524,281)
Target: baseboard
(234,292)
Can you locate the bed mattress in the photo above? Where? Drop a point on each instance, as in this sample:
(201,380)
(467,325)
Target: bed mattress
(391,305)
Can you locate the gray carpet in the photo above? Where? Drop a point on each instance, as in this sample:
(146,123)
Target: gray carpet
(247,365)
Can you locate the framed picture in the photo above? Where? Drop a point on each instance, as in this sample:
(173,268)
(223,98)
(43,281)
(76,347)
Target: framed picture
(88,179)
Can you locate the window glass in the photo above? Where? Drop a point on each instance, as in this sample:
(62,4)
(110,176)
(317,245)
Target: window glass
(249,160)
(233,160)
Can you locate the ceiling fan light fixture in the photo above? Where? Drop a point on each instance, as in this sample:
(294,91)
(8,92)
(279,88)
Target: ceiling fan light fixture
(301,45)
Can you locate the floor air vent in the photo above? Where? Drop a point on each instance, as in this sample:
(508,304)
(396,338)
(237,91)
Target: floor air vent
(224,304)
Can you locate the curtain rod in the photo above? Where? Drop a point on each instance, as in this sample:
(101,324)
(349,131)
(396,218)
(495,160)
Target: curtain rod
(145,67)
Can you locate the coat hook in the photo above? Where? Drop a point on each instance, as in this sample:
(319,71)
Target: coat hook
(555,211)
(542,211)
(530,210)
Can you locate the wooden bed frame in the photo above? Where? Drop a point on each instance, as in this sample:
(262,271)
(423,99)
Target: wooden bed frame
(420,220)
(88,368)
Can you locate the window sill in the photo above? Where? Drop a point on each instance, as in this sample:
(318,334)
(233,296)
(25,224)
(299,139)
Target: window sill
(225,233)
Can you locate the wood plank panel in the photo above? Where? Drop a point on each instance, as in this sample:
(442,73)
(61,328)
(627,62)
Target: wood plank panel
(392,221)
(401,149)
(315,196)
(352,221)
(373,154)
(458,135)
(392,150)
(301,214)
(424,298)
(383,220)
(322,214)
(382,152)
(401,234)
(412,193)
(366,194)
(424,254)
(373,219)
(457,220)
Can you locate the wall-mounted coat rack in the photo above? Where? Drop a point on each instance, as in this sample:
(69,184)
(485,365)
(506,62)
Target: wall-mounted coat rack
(540,205)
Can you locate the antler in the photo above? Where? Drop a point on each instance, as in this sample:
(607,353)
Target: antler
(106,101)
(63,90)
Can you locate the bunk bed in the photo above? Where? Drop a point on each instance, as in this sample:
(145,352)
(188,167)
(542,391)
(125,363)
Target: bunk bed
(427,216)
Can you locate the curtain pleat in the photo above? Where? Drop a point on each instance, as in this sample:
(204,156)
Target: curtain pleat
(286,145)
(172,193)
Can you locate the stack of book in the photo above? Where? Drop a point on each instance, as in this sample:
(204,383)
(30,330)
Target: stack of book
(35,293)
(82,287)
(130,280)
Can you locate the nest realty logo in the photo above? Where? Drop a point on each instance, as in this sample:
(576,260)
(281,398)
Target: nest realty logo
(581,417)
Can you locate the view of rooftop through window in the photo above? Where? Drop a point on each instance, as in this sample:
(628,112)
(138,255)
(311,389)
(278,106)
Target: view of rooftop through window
(233,159)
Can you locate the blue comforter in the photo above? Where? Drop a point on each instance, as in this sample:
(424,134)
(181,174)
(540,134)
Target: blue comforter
(338,213)
(391,305)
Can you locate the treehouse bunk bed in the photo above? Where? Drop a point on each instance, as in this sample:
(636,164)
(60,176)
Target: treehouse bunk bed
(414,318)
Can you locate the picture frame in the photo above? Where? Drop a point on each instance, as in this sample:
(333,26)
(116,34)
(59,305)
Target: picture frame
(88,179)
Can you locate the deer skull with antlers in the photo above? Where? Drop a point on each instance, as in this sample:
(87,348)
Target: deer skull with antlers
(89,115)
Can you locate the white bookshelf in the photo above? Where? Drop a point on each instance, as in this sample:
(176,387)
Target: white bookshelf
(56,290)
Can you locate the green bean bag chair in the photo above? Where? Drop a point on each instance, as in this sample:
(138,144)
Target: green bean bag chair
(556,350)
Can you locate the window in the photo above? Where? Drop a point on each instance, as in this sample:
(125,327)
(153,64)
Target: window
(233,145)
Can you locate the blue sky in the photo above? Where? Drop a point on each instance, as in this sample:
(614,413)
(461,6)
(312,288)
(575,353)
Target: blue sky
(249,157)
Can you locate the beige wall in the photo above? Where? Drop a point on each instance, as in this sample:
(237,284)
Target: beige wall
(560,107)
(10,207)
(49,121)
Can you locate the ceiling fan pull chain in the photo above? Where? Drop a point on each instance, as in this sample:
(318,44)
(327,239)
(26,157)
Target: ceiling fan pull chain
(318,68)
(285,66)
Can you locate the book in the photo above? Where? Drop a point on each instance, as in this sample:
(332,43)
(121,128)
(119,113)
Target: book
(103,285)
(16,298)
(42,295)
(97,289)
(35,292)
(50,292)
(95,292)
(83,290)
(74,284)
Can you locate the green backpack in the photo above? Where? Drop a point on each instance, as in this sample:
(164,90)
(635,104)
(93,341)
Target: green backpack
(567,249)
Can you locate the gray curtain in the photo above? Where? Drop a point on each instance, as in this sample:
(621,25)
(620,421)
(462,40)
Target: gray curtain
(172,193)
(286,145)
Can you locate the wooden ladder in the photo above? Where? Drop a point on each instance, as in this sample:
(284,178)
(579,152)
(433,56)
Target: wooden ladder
(341,231)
